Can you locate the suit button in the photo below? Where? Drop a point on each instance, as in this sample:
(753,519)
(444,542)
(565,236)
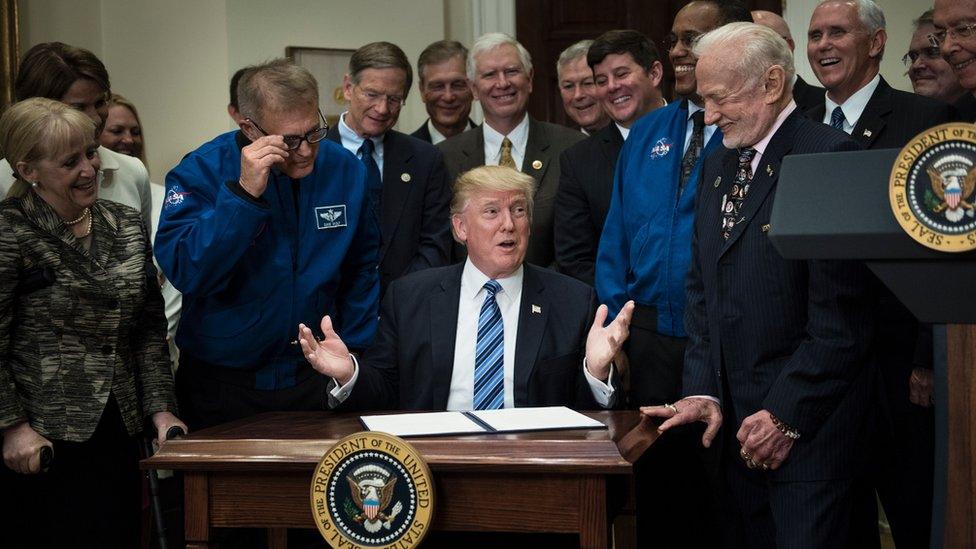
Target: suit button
(106,349)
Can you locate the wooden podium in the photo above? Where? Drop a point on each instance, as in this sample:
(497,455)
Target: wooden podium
(256,473)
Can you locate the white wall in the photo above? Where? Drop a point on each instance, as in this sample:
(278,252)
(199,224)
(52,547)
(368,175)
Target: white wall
(899,15)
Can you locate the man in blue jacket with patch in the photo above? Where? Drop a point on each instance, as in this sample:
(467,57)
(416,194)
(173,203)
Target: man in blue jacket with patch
(263,229)
(644,255)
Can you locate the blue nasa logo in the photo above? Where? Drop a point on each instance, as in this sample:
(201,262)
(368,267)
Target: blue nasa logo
(661,148)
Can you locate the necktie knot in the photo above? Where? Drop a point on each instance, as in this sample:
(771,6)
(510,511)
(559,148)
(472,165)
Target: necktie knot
(492,287)
(506,158)
(698,121)
(837,118)
(367,147)
(746,156)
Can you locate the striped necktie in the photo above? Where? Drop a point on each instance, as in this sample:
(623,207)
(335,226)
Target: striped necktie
(837,118)
(489,393)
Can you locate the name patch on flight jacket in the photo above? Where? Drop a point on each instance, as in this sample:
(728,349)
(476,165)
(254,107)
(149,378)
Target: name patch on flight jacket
(330,217)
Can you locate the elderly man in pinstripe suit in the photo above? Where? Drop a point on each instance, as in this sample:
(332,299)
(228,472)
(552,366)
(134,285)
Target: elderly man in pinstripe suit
(777,364)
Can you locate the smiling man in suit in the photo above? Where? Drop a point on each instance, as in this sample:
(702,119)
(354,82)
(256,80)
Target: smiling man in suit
(444,90)
(405,177)
(627,71)
(500,74)
(490,333)
(805,95)
(778,362)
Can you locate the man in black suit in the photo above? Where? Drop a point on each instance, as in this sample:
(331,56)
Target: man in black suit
(405,177)
(846,43)
(806,95)
(954,32)
(444,90)
(577,90)
(500,74)
(491,333)
(778,358)
(627,71)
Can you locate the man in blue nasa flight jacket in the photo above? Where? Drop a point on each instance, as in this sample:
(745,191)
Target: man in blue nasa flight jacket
(263,229)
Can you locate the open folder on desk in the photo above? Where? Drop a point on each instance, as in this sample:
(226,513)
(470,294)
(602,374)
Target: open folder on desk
(506,420)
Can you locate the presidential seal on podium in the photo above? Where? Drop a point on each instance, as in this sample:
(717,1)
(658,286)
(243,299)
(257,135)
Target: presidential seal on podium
(372,489)
(932,185)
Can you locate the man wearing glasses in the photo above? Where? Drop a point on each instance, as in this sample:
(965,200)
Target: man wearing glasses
(263,229)
(405,178)
(644,255)
(930,74)
(955,34)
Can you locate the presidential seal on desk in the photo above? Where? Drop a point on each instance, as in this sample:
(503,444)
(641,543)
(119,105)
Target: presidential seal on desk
(372,489)
(932,187)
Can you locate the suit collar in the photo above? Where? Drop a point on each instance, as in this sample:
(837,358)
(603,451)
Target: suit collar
(538,151)
(104,226)
(872,121)
(533,316)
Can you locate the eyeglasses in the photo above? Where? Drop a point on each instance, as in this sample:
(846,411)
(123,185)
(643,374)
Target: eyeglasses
(292,142)
(957,32)
(930,53)
(394,102)
(687,39)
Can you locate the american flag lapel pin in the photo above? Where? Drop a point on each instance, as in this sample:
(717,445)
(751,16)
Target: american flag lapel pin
(867,133)
(536,310)
(769,170)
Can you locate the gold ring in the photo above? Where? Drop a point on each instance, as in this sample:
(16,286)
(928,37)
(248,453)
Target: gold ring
(672,407)
(764,466)
(751,464)
(744,455)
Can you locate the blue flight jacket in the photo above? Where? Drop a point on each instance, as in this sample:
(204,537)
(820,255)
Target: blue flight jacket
(252,269)
(645,247)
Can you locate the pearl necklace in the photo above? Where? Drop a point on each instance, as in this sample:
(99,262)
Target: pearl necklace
(89,228)
(84,213)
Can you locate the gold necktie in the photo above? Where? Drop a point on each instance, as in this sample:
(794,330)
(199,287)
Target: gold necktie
(506,159)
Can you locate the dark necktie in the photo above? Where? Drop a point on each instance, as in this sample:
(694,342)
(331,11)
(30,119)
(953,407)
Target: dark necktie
(694,149)
(732,202)
(374,181)
(837,119)
(489,358)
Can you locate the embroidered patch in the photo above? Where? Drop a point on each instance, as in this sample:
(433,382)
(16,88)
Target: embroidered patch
(175,197)
(661,148)
(330,217)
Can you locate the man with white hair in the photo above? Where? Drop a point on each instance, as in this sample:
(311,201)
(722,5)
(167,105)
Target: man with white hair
(805,95)
(778,362)
(577,89)
(500,74)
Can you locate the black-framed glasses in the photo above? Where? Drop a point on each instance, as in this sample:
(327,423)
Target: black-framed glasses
(930,53)
(292,142)
(687,39)
(957,32)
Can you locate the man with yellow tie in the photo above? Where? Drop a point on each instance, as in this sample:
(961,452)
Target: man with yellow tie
(500,75)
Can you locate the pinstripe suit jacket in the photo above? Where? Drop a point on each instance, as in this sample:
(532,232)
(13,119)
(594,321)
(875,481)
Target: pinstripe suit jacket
(790,337)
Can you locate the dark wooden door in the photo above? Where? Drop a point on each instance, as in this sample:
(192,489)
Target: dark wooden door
(547,27)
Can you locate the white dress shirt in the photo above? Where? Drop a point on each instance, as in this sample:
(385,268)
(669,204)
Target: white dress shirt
(509,299)
(519,136)
(854,107)
(351,141)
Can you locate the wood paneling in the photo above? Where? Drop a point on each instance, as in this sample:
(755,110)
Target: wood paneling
(960,527)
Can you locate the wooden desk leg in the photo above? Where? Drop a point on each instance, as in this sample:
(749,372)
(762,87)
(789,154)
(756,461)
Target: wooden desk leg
(196,499)
(593,513)
(277,538)
(960,527)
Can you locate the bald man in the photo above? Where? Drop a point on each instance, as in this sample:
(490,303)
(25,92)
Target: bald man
(806,96)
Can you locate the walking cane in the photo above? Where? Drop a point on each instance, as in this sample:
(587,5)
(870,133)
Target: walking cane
(154,501)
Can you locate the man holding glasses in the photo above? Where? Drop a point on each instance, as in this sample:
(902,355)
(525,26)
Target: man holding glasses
(405,178)
(263,229)
(644,255)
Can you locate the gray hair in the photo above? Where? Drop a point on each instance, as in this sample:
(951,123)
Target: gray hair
(868,11)
(278,86)
(758,48)
(927,18)
(380,55)
(492,40)
(570,54)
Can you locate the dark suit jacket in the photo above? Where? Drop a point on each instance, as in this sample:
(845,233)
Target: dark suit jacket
(791,337)
(585,187)
(410,363)
(415,222)
(966,105)
(423,132)
(546,142)
(893,117)
(807,96)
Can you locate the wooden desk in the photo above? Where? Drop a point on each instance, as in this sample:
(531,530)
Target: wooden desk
(256,472)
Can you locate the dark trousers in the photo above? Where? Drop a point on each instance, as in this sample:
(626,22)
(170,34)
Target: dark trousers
(675,473)
(90,497)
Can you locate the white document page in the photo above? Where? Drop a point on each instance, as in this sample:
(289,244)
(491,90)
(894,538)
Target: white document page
(424,423)
(536,419)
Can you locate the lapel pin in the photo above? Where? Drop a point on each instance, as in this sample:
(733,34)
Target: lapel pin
(536,309)
(867,133)
(405,177)
(765,228)
(769,170)
(718,181)
(536,164)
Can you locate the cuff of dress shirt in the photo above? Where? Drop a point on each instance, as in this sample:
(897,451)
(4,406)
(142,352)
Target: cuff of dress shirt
(603,393)
(337,394)
(706,397)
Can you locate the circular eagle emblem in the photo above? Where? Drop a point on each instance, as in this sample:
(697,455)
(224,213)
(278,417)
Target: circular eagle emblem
(372,489)
(932,185)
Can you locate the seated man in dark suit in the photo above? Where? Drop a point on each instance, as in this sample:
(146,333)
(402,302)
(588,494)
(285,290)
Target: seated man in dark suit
(492,332)
(405,177)
(806,96)
(444,90)
(778,361)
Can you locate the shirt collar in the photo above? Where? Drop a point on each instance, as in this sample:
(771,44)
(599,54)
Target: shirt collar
(519,136)
(764,142)
(854,107)
(473,280)
(693,108)
(624,132)
(436,136)
(349,136)
(109,162)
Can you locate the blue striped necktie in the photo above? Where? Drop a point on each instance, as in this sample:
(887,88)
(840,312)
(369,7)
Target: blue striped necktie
(489,385)
(837,118)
